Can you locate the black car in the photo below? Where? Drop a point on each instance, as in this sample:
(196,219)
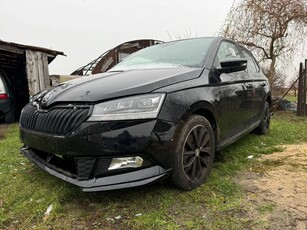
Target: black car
(165,110)
(7,101)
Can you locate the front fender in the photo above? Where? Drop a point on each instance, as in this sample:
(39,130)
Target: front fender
(178,106)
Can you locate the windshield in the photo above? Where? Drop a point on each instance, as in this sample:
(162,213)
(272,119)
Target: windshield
(185,53)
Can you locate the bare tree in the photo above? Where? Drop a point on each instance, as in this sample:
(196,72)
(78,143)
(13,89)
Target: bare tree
(273,29)
(183,35)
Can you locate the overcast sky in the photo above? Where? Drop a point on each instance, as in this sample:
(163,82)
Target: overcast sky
(84,29)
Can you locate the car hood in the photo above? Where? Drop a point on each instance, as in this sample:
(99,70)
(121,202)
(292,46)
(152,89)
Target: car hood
(100,87)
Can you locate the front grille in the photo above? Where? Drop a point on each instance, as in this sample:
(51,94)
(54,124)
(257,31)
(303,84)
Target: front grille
(57,120)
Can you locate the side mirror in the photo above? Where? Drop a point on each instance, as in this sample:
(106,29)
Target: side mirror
(230,65)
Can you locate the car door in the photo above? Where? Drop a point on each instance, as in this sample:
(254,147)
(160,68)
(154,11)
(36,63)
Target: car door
(231,99)
(255,87)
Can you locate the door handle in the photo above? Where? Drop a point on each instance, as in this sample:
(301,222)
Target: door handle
(249,86)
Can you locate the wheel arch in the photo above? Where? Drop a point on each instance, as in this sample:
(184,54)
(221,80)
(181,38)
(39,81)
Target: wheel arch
(269,99)
(207,110)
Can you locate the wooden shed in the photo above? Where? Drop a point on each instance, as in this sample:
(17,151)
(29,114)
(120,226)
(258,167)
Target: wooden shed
(27,69)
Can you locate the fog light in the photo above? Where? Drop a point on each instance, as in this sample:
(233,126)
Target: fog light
(126,162)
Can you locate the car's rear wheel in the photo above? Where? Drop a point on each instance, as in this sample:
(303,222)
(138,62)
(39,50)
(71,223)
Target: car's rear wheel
(9,117)
(194,154)
(264,125)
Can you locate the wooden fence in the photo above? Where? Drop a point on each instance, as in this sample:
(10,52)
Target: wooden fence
(302,88)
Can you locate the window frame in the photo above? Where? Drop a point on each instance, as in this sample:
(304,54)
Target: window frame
(218,48)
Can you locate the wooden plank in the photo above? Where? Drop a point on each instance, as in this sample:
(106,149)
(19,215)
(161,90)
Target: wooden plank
(40,70)
(31,72)
(37,71)
(305,89)
(47,81)
(55,80)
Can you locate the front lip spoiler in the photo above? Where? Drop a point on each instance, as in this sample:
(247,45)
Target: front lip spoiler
(125,180)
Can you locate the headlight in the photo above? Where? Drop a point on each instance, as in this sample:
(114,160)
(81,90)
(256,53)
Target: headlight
(129,108)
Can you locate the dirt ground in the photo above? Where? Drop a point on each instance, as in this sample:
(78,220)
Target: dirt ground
(276,189)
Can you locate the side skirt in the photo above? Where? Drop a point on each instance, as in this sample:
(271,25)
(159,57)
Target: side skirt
(236,137)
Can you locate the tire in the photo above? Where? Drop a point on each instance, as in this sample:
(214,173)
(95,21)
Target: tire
(9,117)
(194,155)
(264,125)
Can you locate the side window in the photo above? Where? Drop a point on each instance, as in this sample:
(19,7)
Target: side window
(252,66)
(226,50)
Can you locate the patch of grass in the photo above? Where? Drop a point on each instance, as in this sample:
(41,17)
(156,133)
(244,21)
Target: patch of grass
(26,191)
(267,207)
(296,167)
(273,163)
(291,98)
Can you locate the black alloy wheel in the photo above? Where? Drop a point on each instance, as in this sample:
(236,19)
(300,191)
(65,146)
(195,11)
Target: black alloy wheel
(267,117)
(9,117)
(195,153)
(264,125)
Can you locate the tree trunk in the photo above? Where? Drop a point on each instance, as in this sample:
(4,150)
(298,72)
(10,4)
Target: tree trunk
(272,71)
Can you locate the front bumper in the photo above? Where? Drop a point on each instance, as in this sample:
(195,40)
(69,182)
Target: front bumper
(82,157)
(125,180)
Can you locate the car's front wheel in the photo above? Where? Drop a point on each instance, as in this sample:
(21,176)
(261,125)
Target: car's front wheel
(194,153)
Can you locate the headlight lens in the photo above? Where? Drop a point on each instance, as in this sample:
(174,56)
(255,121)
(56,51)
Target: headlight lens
(129,108)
